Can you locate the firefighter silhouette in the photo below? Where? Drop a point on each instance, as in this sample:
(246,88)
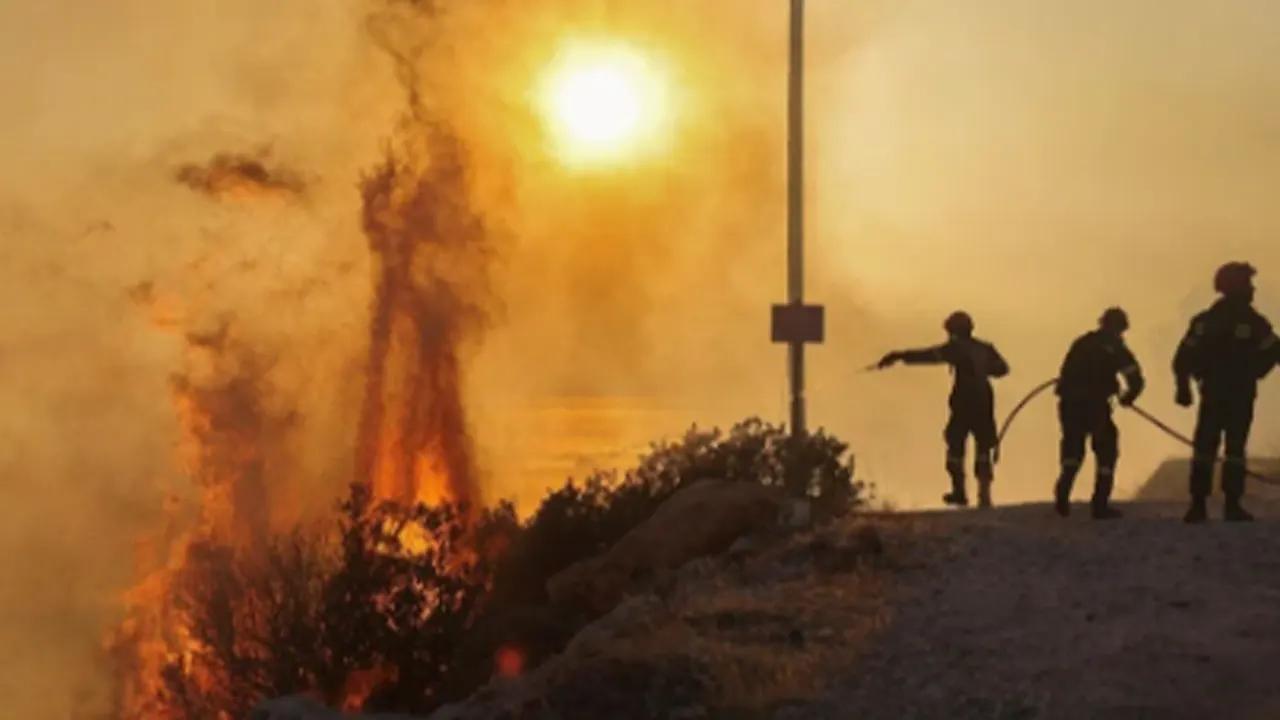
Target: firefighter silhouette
(1227,350)
(1086,385)
(973,363)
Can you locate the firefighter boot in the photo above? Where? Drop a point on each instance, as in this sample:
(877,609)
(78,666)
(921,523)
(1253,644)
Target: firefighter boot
(1233,489)
(1062,497)
(1100,506)
(984,494)
(984,470)
(1234,512)
(1197,513)
(957,496)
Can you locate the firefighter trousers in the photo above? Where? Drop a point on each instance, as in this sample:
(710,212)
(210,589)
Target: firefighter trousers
(1091,421)
(1223,417)
(978,420)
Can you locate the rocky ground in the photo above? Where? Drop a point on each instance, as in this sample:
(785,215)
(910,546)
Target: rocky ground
(1019,614)
(1010,614)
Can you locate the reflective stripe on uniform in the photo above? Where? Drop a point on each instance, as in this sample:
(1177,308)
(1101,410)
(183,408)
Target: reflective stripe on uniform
(1203,460)
(1106,471)
(1071,462)
(1269,342)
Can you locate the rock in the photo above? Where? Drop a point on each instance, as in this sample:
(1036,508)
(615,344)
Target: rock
(703,519)
(842,554)
(294,707)
(533,632)
(303,707)
(744,546)
(629,689)
(634,616)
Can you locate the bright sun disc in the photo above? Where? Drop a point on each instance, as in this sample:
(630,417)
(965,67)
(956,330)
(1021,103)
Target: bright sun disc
(602,103)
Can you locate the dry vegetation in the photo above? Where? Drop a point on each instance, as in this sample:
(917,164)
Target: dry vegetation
(401,608)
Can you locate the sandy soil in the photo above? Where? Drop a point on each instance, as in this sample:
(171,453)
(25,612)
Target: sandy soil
(1016,613)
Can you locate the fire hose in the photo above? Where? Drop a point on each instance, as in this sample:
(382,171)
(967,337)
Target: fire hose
(1155,421)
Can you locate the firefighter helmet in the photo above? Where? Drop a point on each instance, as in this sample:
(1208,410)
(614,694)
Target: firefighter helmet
(1234,278)
(1114,319)
(959,323)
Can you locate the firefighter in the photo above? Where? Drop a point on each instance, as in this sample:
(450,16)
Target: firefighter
(1086,384)
(1227,350)
(973,363)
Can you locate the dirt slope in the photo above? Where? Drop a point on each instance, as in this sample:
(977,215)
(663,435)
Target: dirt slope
(1015,613)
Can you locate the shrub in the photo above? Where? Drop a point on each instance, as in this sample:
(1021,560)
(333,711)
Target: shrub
(580,520)
(366,615)
(402,608)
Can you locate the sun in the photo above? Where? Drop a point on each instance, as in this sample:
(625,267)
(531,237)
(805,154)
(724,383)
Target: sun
(603,103)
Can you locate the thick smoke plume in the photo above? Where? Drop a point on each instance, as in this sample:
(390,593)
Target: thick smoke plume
(429,253)
(1032,163)
(430,256)
(233,440)
(238,176)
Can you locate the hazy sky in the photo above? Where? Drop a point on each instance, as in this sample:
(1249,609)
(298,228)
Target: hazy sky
(1031,162)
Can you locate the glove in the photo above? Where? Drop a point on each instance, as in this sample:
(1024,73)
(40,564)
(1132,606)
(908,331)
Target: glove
(1127,399)
(1184,397)
(888,360)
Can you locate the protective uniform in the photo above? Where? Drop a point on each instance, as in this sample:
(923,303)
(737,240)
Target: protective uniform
(1227,350)
(1086,384)
(973,362)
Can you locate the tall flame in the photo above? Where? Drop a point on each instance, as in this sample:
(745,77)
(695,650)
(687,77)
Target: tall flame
(430,255)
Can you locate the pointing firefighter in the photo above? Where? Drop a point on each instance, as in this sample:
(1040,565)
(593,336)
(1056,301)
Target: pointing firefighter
(1086,384)
(973,363)
(1227,350)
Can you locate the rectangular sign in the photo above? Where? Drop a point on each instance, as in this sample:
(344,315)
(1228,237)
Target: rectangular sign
(798,323)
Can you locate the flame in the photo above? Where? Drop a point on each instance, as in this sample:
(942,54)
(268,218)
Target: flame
(225,429)
(411,439)
(413,442)
(361,684)
(430,255)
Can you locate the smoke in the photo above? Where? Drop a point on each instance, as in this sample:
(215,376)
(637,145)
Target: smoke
(1032,164)
(1036,165)
(431,257)
(230,176)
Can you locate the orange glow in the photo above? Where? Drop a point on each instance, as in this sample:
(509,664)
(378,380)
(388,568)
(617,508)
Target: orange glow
(603,103)
(509,661)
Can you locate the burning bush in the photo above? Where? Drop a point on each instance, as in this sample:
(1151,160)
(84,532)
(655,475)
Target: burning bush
(397,607)
(365,614)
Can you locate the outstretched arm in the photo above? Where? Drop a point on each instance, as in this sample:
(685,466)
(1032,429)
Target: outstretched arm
(923,356)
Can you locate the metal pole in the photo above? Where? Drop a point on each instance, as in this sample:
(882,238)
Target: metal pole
(795,207)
